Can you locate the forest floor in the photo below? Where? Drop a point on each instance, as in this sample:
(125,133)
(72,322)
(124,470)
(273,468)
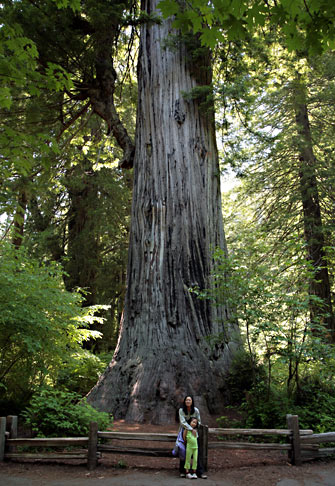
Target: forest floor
(225,468)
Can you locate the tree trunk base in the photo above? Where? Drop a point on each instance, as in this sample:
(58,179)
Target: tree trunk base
(152,393)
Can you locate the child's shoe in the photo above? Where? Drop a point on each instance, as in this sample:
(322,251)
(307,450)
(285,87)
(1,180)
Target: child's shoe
(189,476)
(194,476)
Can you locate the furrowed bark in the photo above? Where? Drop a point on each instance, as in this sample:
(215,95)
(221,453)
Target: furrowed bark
(162,352)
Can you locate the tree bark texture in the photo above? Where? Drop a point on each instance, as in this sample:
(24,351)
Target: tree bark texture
(162,353)
(313,227)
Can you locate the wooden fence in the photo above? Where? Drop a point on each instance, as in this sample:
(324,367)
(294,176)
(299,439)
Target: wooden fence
(300,444)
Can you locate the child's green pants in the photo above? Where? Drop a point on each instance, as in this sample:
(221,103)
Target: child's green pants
(191,452)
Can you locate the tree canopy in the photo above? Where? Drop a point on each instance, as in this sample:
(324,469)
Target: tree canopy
(307,25)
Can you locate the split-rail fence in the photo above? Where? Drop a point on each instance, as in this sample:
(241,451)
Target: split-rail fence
(300,445)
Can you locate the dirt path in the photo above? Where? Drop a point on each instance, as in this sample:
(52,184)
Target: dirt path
(316,474)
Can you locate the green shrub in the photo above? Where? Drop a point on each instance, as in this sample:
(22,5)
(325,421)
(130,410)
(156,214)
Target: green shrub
(81,371)
(316,405)
(55,413)
(227,422)
(244,373)
(266,409)
(42,326)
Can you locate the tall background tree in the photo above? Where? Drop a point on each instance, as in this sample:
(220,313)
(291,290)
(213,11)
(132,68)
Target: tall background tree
(65,180)
(285,173)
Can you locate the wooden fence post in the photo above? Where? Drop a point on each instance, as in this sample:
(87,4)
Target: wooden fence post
(203,446)
(12,429)
(295,453)
(92,446)
(2,437)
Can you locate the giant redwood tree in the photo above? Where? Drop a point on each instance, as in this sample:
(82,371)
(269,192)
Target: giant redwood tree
(162,352)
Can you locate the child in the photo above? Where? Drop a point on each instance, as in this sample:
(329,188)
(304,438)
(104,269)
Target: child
(191,448)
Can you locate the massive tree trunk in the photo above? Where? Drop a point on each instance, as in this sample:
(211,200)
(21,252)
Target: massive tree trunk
(313,227)
(162,352)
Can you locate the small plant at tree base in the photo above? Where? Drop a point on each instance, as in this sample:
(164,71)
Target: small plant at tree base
(232,423)
(264,408)
(244,373)
(316,403)
(55,413)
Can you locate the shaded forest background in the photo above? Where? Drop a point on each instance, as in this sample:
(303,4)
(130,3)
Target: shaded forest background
(68,109)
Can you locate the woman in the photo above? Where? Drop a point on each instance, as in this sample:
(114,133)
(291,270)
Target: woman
(186,412)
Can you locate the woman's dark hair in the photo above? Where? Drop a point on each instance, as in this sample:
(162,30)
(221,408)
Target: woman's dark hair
(184,405)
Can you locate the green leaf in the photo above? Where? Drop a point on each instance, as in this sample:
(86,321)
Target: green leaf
(168,7)
(5,97)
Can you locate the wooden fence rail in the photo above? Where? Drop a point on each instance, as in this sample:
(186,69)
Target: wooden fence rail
(293,434)
(301,444)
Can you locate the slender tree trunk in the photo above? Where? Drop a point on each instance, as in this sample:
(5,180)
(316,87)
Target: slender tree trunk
(313,227)
(41,222)
(162,352)
(83,248)
(19,218)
